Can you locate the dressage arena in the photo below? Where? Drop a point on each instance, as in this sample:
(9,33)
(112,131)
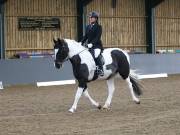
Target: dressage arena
(30,110)
(147,29)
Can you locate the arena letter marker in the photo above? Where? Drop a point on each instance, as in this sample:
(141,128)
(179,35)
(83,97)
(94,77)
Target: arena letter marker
(53,83)
(1,86)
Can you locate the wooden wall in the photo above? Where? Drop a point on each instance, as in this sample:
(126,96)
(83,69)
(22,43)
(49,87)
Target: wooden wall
(168,25)
(123,26)
(37,40)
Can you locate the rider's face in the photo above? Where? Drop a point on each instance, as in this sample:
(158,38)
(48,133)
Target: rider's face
(92,20)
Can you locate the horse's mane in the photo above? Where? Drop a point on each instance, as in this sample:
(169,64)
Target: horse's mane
(72,42)
(74,47)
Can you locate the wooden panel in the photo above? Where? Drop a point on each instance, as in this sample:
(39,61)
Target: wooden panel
(123,26)
(168,8)
(168,25)
(38,40)
(40,8)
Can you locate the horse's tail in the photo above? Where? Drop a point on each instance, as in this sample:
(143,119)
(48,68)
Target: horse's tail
(136,86)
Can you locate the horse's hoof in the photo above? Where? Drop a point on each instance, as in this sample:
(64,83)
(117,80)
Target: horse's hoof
(99,107)
(105,107)
(72,110)
(137,102)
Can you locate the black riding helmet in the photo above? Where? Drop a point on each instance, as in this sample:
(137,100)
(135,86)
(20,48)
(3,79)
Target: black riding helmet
(94,14)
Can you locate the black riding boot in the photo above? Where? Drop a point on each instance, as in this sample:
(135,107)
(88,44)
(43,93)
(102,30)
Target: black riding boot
(99,63)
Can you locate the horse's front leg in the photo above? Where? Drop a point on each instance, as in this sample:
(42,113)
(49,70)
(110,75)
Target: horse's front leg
(93,102)
(77,97)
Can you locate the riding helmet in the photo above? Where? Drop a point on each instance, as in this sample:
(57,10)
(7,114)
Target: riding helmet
(94,14)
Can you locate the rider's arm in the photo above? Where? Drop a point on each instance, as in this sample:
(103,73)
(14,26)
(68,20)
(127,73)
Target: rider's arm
(98,35)
(84,39)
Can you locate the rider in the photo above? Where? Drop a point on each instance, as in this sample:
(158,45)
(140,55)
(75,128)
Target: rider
(92,39)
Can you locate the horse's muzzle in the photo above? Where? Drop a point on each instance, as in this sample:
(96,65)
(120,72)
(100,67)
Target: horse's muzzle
(58,65)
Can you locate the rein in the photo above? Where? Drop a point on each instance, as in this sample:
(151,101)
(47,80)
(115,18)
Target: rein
(66,59)
(82,51)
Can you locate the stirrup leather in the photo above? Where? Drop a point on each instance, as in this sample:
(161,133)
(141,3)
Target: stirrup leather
(99,71)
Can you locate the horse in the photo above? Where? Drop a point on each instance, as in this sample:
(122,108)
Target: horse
(116,65)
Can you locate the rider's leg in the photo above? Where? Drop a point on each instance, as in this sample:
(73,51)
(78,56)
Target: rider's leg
(92,51)
(97,52)
(98,61)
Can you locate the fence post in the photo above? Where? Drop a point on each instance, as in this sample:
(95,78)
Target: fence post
(2,46)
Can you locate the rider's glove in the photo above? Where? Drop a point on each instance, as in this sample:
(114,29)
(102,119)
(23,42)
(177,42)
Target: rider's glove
(90,45)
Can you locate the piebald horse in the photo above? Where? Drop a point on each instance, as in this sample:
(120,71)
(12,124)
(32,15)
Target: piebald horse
(116,64)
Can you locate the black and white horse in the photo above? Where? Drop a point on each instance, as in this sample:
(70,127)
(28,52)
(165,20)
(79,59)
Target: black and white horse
(116,64)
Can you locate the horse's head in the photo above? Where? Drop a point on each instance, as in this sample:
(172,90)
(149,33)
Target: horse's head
(61,51)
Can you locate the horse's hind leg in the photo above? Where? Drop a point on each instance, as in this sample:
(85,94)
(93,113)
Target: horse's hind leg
(93,102)
(135,99)
(111,89)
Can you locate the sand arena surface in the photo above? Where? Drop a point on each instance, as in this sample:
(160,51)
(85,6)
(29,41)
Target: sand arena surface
(28,110)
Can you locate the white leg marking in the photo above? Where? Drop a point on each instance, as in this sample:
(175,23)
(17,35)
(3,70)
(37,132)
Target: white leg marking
(132,92)
(93,102)
(111,89)
(77,97)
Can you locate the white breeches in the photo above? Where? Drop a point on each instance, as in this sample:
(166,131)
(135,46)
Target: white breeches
(97,52)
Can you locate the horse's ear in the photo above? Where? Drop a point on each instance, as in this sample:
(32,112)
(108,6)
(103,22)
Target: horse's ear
(54,40)
(59,40)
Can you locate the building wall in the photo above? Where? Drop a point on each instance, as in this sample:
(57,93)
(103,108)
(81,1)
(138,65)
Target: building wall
(168,25)
(124,25)
(37,40)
